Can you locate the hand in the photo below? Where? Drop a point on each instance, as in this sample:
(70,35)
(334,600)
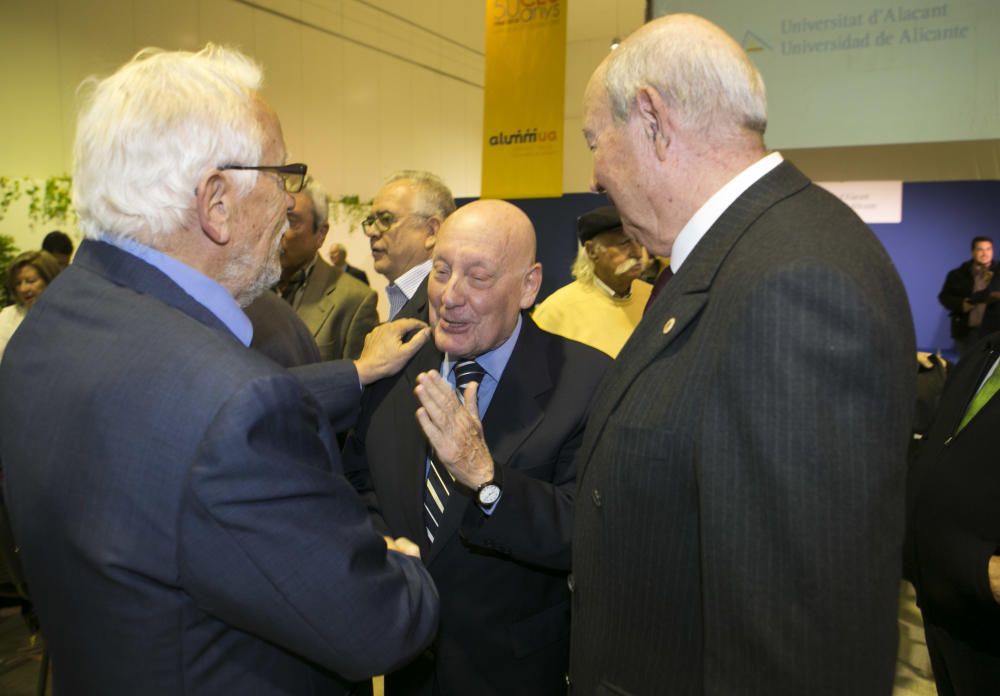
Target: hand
(453,429)
(403,546)
(994,573)
(385,353)
(967,306)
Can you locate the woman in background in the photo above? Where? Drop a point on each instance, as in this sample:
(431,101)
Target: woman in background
(27,277)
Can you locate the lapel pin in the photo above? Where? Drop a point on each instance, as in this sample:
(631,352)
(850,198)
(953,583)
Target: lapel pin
(669,325)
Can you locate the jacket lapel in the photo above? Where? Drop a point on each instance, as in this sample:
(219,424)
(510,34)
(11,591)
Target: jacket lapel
(317,297)
(683,298)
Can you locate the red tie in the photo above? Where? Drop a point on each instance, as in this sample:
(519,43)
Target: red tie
(661,280)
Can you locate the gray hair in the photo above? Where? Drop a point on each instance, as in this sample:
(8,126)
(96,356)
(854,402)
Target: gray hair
(150,131)
(320,202)
(583,266)
(435,197)
(700,72)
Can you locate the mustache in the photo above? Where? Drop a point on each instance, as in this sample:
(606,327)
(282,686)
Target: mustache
(627,265)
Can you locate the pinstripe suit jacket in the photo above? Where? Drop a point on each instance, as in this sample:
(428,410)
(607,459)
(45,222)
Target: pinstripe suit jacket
(739,511)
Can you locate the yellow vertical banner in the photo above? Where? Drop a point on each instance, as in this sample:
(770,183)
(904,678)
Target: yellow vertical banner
(523,109)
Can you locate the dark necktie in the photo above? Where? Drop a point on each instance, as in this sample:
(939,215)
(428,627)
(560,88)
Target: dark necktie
(661,280)
(297,280)
(439,481)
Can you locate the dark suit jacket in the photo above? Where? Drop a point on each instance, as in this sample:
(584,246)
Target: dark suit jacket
(953,510)
(278,332)
(502,579)
(178,500)
(357,273)
(741,478)
(338,309)
(958,286)
(416,306)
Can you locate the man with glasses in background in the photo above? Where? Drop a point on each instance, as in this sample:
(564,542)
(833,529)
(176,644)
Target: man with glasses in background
(402,226)
(176,495)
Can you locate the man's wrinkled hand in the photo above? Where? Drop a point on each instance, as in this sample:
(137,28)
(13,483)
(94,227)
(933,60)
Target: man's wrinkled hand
(385,353)
(403,546)
(453,429)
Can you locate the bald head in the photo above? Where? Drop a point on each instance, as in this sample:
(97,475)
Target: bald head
(484,273)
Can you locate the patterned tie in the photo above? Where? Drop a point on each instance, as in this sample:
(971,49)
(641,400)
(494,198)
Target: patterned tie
(990,387)
(439,480)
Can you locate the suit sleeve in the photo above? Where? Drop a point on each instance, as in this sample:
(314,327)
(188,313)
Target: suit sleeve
(363,321)
(336,387)
(356,465)
(275,544)
(801,486)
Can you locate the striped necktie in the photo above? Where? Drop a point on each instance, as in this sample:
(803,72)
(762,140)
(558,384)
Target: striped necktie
(439,481)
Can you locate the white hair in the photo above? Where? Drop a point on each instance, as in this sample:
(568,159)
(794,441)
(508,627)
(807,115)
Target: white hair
(583,266)
(436,198)
(700,72)
(151,130)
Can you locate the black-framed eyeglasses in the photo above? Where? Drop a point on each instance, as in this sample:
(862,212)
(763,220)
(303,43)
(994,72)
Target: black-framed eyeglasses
(383,220)
(293,176)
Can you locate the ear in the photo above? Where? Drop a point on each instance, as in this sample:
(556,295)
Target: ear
(433,225)
(213,202)
(654,117)
(321,234)
(589,248)
(530,287)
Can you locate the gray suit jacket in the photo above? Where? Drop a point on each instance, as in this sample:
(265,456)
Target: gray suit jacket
(740,503)
(339,310)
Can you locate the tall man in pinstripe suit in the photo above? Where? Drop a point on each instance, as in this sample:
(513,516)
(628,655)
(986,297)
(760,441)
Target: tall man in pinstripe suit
(739,513)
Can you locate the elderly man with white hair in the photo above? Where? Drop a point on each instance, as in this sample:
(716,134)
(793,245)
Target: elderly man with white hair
(602,306)
(177,498)
(739,514)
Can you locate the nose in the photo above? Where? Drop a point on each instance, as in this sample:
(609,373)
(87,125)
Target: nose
(451,295)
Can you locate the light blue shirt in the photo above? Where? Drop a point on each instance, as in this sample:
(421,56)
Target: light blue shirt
(202,289)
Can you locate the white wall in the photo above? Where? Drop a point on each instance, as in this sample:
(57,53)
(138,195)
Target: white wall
(363,87)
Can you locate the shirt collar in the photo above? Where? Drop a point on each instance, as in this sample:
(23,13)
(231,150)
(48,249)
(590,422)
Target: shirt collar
(715,206)
(411,280)
(205,291)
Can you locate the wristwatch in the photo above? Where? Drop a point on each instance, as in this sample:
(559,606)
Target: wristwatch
(489,493)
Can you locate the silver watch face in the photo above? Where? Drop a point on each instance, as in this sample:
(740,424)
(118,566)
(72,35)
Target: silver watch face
(489,494)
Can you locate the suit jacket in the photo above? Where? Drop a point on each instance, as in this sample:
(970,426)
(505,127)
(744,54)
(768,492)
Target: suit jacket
(953,515)
(338,309)
(502,579)
(740,502)
(183,521)
(357,273)
(278,332)
(958,286)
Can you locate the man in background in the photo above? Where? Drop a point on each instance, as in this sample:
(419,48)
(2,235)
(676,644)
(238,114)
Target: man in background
(338,257)
(337,308)
(485,487)
(740,509)
(603,305)
(59,245)
(970,294)
(176,496)
(406,214)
